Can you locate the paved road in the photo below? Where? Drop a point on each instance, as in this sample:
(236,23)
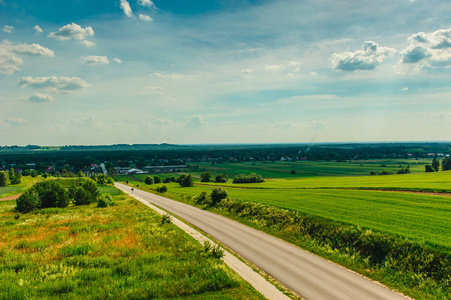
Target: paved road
(306,274)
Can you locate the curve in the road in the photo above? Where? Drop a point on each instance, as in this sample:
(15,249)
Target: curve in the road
(308,275)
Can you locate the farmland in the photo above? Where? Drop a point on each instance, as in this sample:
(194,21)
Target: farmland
(391,210)
(122,251)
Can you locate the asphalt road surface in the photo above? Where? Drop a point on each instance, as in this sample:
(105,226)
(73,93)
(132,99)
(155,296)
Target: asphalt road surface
(306,274)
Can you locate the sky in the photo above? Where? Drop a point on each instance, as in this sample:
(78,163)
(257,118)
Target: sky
(97,72)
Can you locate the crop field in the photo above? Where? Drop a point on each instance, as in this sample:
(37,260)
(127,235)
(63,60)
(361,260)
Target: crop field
(439,181)
(303,169)
(122,252)
(425,218)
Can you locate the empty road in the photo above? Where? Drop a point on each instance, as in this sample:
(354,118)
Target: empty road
(306,274)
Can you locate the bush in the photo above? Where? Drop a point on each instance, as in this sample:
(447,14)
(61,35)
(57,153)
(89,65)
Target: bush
(428,169)
(221,178)
(403,171)
(81,197)
(42,195)
(162,189)
(105,201)
(293,172)
(148,180)
(201,199)
(385,172)
(167,180)
(186,181)
(156,179)
(165,219)
(250,178)
(4,178)
(217,194)
(28,201)
(205,177)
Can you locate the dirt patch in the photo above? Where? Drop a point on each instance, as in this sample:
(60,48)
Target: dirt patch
(13,197)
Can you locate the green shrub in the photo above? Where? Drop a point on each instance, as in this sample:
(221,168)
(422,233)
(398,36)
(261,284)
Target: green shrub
(148,180)
(205,177)
(221,178)
(186,180)
(250,178)
(105,201)
(28,201)
(165,219)
(201,198)
(162,189)
(157,179)
(217,194)
(385,172)
(81,197)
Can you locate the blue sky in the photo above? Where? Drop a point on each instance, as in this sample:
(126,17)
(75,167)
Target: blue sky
(184,71)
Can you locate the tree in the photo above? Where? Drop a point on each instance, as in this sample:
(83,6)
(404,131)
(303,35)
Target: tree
(162,189)
(148,180)
(217,194)
(4,178)
(435,164)
(205,177)
(187,181)
(51,194)
(221,178)
(446,164)
(157,179)
(90,186)
(16,179)
(28,201)
(428,168)
(293,172)
(80,174)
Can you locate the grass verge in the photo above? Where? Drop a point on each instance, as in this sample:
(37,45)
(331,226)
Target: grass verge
(122,252)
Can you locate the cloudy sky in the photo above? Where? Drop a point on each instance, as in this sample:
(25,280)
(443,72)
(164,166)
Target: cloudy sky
(224,71)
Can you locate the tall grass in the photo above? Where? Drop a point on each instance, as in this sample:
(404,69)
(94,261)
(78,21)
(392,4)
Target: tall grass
(120,252)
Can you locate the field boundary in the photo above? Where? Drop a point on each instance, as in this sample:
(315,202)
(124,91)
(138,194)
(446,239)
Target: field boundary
(243,270)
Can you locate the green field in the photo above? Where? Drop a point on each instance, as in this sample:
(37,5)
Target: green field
(440,181)
(119,252)
(303,169)
(10,190)
(420,217)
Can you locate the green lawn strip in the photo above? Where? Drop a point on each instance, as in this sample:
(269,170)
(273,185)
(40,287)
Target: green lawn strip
(121,252)
(409,282)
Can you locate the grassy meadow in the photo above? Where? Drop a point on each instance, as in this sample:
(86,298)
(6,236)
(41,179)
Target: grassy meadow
(121,252)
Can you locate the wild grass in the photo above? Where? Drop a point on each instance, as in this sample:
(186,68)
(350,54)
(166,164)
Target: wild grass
(120,252)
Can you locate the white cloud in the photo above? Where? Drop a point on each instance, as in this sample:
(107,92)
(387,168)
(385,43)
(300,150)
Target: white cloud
(117,60)
(428,49)
(38,97)
(125,6)
(83,122)
(33,49)
(38,29)
(62,84)
(10,59)
(16,121)
(8,29)
(72,31)
(147,3)
(318,125)
(247,71)
(404,89)
(174,76)
(274,67)
(145,17)
(368,58)
(95,60)
(196,122)
(87,43)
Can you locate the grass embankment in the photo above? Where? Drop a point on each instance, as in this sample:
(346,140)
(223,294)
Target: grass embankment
(121,252)
(402,240)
